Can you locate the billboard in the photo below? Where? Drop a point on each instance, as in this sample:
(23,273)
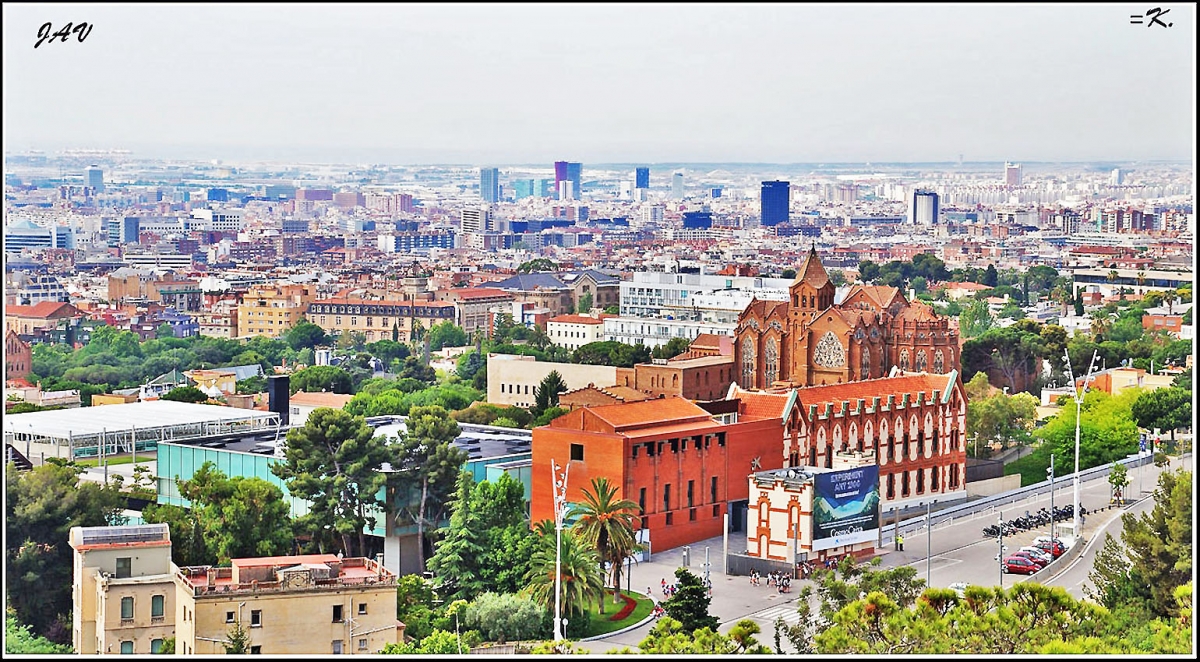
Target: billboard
(845,507)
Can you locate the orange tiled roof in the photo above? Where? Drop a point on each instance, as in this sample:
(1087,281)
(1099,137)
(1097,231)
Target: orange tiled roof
(42,310)
(867,389)
(660,411)
(482,293)
(763,405)
(812,271)
(918,311)
(576,319)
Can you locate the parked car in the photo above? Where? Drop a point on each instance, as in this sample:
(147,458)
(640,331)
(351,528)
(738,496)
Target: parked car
(1020,565)
(1037,553)
(1056,549)
(1041,539)
(1036,559)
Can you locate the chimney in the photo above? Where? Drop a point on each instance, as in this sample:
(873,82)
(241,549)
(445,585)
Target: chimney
(211,577)
(277,396)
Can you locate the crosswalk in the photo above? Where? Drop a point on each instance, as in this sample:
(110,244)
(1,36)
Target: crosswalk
(788,612)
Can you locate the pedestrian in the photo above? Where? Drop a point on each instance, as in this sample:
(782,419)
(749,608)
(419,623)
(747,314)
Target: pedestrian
(900,543)
(664,585)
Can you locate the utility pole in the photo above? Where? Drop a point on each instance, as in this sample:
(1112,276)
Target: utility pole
(1078,393)
(560,509)
(1000,522)
(1050,473)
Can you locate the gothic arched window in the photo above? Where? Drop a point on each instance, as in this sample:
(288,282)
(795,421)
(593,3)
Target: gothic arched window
(904,359)
(938,364)
(771,356)
(748,363)
(866,363)
(921,361)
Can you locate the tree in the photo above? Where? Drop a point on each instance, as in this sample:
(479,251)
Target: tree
(673,347)
(469,364)
(788,273)
(868,271)
(305,335)
(503,617)
(606,523)
(545,395)
(446,334)
(585,303)
(333,462)
(1164,409)
(1159,543)
(611,352)
(255,384)
(668,637)
(237,640)
(1118,478)
(188,546)
(18,640)
(430,464)
(689,605)
(185,394)
(1001,418)
(535,265)
(457,557)
(549,415)
(975,319)
(581,582)
(1106,432)
(41,506)
(613,310)
(321,378)
(990,277)
(239,517)
(414,368)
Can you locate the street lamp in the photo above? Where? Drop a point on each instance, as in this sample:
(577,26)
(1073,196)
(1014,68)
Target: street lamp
(1078,393)
(1000,522)
(1050,473)
(560,510)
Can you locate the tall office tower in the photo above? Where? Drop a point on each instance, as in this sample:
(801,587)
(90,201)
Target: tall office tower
(775,202)
(715,192)
(1012,174)
(489,184)
(560,175)
(95,177)
(641,178)
(477,219)
(1117,177)
(522,188)
(677,186)
(542,189)
(626,189)
(923,208)
(652,214)
(575,174)
(566,190)
(123,230)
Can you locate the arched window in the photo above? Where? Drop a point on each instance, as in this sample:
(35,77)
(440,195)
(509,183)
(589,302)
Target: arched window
(748,363)
(938,364)
(921,361)
(904,359)
(771,356)
(865,369)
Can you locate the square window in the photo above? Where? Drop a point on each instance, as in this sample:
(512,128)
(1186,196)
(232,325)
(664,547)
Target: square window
(228,617)
(362,608)
(156,646)
(577,452)
(256,650)
(126,648)
(337,646)
(255,618)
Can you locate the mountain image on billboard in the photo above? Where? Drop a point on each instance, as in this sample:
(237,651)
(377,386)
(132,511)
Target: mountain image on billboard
(846,502)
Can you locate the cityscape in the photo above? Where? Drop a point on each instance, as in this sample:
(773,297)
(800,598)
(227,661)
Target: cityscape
(303,377)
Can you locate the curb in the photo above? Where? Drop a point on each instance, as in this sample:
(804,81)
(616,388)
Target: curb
(623,630)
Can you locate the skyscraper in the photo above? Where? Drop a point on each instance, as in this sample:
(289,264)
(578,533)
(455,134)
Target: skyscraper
(522,188)
(567,171)
(575,174)
(1012,174)
(560,175)
(489,184)
(677,186)
(775,202)
(641,178)
(1117,177)
(923,208)
(95,177)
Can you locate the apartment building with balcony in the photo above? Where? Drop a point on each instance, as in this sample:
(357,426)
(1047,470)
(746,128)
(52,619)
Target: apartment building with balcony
(272,310)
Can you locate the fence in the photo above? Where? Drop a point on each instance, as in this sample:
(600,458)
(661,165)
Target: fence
(740,565)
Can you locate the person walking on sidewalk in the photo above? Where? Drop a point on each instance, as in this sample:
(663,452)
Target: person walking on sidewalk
(900,543)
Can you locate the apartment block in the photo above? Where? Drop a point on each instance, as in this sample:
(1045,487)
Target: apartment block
(272,310)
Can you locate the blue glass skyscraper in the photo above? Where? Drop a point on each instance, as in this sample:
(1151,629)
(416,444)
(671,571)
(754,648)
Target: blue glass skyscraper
(641,178)
(775,200)
(489,184)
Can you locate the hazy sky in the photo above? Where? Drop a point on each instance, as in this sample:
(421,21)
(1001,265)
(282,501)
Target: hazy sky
(606,82)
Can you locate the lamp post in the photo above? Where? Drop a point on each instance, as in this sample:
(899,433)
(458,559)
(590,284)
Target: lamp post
(1078,393)
(1000,522)
(560,509)
(928,543)
(1053,521)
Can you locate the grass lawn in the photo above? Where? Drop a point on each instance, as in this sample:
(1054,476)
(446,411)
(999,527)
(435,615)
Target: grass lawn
(116,459)
(599,624)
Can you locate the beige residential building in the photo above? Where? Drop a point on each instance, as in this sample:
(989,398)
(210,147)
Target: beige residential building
(378,320)
(575,331)
(290,605)
(218,324)
(272,310)
(513,379)
(123,589)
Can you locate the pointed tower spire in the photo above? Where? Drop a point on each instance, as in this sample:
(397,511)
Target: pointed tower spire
(812,271)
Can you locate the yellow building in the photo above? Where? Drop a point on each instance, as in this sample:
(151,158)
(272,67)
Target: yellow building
(271,311)
(123,589)
(289,605)
(128,597)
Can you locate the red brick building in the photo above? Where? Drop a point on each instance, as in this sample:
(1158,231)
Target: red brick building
(18,356)
(1172,324)
(698,378)
(680,463)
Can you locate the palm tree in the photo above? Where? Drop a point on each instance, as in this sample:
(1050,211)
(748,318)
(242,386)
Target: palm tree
(606,523)
(1101,323)
(1169,298)
(581,580)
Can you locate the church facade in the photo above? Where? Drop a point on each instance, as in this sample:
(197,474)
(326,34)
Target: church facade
(811,341)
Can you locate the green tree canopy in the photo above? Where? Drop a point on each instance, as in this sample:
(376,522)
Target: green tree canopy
(606,523)
(1164,408)
(446,334)
(673,347)
(545,394)
(690,603)
(611,352)
(429,466)
(305,335)
(318,378)
(535,265)
(185,394)
(333,462)
(505,617)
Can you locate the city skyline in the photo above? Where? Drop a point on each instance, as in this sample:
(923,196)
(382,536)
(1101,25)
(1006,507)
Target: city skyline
(857,84)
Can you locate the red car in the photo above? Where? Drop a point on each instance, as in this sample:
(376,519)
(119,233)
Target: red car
(1040,563)
(1020,565)
(1054,548)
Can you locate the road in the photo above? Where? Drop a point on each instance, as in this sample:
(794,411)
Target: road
(960,553)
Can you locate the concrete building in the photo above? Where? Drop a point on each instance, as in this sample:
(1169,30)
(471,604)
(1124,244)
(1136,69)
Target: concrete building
(1012,174)
(378,319)
(655,332)
(22,234)
(694,378)
(123,589)
(512,379)
(95,178)
(477,220)
(472,306)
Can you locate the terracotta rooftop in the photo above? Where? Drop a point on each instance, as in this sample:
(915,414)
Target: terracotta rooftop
(576,319)
(334,400)
(711,341)
(481,293)
(907,383)
(763,405)
(43,310)
(812,271)
(657,412)
(918,311)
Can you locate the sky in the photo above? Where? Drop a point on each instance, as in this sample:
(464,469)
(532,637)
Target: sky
(605,83)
